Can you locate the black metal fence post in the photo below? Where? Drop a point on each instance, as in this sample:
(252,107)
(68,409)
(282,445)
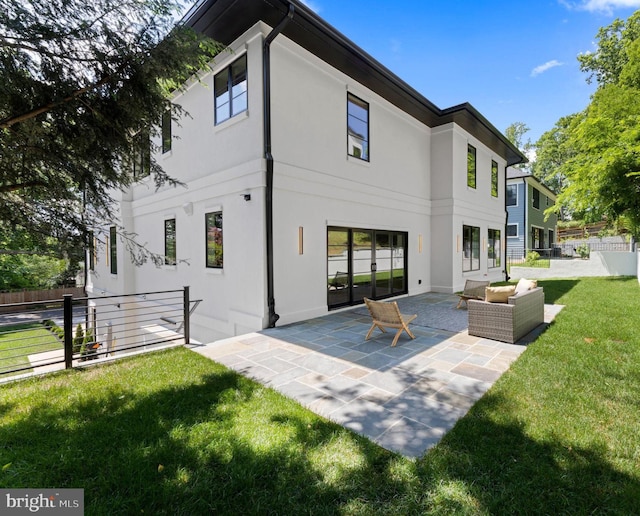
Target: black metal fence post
(187,322)
(68,330)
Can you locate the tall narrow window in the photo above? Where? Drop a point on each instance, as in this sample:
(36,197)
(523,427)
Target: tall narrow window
(471,166)
(91,241)
(536,198)
(141,156)
(470,248)
(166,130)
(213,227)
(230,90)
(494,249)
(170,242)
(113,250)
(357,127)
(494,179)
(512,195)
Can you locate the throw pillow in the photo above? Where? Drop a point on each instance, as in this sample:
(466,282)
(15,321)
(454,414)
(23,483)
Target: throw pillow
(499,294)
(525,284)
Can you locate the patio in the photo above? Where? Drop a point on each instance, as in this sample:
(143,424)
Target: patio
(404,398)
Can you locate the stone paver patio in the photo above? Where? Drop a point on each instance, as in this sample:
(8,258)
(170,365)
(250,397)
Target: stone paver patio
(403,398)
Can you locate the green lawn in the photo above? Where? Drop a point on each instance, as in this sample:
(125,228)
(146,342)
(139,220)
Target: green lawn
(175,433)
(18,341)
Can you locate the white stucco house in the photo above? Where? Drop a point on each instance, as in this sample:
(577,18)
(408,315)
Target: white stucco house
(314,177)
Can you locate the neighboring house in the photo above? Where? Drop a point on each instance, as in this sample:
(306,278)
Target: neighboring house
(528,227)
(314,177)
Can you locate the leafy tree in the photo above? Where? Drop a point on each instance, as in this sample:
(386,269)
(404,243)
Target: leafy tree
(515,134)
(606,64)
(598,150)
(79,83)
(25,265)
(553,150)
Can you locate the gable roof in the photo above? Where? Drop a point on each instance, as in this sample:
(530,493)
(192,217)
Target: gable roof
(226,20)
(515,173)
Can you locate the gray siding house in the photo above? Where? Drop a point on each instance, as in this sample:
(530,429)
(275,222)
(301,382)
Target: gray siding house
(528,227)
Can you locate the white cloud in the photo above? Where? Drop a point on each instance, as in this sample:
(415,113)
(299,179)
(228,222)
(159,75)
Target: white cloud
(544,67)
(602,6)
(312,5)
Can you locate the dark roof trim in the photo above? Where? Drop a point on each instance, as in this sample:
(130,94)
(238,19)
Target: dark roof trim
(226,20)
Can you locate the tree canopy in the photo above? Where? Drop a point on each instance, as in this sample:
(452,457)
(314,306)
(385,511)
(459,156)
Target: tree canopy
(78,81)
(515,134)
(594,156)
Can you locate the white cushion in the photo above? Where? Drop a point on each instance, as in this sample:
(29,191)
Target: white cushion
(525,284)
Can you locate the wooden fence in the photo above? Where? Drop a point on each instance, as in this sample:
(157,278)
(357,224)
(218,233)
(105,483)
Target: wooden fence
(29,296)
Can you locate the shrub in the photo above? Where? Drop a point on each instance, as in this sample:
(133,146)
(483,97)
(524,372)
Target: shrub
(78,339)
(532,258)
(583,250)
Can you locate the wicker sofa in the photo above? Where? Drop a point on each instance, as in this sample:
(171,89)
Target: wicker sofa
(507,322)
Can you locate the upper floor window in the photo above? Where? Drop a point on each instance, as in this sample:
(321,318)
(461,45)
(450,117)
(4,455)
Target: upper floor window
(357,127)
(512,230)
(92,250)
(536,198)
(494,178)
(471,166)
(213,228)
(512,195)
(166,131)
(141,159)
(230,90)
(170,242)
(113,250)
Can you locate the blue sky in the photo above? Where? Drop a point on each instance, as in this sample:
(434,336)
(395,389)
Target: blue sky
(514,61)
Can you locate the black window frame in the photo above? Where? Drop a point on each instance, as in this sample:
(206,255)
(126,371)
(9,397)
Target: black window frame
(141,156)
(470,249)
(495,174)
(365,154)
(228,74)
(494,243)
(218,259)
(166,131)
(170,241)
(472,166)
(113,250)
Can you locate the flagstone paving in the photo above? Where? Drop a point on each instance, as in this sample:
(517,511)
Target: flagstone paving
(404,398)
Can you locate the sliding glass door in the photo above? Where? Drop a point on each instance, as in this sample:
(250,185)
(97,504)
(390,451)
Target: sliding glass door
(365,263)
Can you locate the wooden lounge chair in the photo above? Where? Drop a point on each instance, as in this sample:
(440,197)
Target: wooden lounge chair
(473,289)
(388,315)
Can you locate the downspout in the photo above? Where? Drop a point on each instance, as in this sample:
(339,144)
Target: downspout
(524,218)
(266,79)
(506,226)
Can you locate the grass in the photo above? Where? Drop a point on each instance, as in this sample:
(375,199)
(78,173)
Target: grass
(19,340)
(175,433)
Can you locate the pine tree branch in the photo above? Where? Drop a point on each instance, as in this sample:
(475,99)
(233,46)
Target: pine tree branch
(8,122)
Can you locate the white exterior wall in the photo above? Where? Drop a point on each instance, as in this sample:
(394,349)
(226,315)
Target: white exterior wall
(456,205)
(415,182)
(318,185)
(218,165)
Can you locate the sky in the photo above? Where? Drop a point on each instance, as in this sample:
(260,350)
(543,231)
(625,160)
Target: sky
(514,61)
